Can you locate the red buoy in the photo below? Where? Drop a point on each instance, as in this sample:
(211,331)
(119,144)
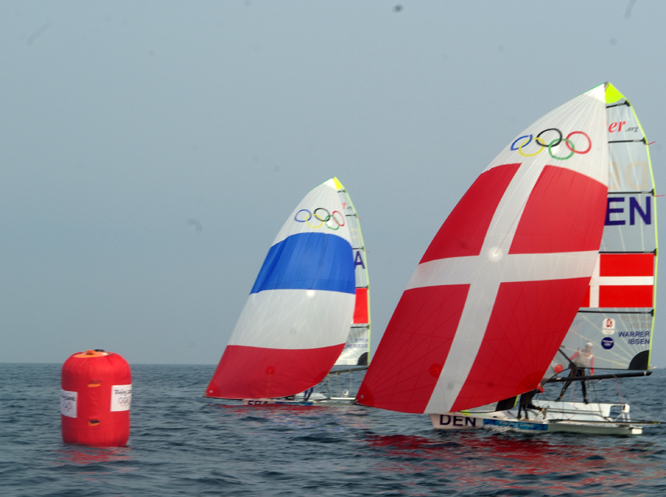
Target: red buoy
(95,399)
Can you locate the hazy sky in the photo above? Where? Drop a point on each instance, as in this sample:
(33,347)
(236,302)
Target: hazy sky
(150,151)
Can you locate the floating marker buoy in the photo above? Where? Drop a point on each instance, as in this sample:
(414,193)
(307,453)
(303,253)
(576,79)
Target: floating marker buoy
(95,396)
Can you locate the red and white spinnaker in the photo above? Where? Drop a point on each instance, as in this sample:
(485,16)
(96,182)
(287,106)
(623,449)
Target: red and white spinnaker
(495,292)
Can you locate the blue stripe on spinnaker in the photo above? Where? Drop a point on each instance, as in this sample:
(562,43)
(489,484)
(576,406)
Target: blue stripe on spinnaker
(308,261)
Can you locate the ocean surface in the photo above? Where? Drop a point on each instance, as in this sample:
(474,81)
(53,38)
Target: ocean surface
(184,444)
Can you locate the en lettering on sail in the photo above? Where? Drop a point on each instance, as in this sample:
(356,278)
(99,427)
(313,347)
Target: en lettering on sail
(495,292)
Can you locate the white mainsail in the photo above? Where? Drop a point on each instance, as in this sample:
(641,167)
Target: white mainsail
(357,348)
(617,314)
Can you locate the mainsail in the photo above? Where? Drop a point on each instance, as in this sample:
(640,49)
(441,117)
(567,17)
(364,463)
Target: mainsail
(493,296)
(357,348)
(297,318)
(617,314)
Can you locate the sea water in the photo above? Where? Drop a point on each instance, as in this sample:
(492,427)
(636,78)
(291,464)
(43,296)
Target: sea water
(184,444)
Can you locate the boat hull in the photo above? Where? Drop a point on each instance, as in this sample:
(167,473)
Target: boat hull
(563,417)
(299,400)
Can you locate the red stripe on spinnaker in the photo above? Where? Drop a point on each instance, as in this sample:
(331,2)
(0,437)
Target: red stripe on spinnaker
(626,265)
(464,231)
(527,325)
(626,296)
(564,213)
(413,350)
(361,307)
(254,372)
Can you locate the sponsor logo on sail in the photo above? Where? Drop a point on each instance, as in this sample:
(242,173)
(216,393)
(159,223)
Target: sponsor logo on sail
(607,343)
(617,127)
(608,327)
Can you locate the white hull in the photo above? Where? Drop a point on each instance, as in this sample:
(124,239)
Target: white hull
(332,383)
(571,417)
(299,400)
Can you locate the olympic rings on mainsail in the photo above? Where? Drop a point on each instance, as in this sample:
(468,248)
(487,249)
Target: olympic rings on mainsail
(322,218)
(523,141)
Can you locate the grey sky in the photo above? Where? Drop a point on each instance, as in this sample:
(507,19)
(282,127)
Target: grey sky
(150,151)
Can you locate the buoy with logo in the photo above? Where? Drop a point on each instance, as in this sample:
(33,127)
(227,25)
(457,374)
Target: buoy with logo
(96,391)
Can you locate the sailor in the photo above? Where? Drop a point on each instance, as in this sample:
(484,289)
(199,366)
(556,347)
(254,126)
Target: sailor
(580,361)
(525,402)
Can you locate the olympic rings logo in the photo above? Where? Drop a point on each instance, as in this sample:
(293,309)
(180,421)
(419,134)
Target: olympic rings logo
(543,144)
(320,217)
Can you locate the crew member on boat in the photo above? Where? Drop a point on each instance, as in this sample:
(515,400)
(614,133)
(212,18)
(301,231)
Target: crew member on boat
(580,361)
(525,402)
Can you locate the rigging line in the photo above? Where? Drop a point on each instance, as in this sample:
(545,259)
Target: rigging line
(571,364)
(594,390)
(618,389)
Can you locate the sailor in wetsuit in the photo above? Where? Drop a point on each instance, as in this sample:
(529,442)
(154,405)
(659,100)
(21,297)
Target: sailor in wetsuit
(581,360)
(525,402)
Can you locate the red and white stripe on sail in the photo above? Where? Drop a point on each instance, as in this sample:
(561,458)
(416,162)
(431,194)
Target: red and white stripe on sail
(497,289)
(296,319)
(621,281)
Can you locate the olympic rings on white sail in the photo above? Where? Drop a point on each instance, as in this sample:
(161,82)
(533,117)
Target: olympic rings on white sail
(553,143)
(322,218)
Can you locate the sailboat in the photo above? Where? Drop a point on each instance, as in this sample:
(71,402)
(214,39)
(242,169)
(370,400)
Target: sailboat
(308,311)
(497,295)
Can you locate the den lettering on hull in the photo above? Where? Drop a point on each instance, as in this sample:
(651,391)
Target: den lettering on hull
(454,421)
